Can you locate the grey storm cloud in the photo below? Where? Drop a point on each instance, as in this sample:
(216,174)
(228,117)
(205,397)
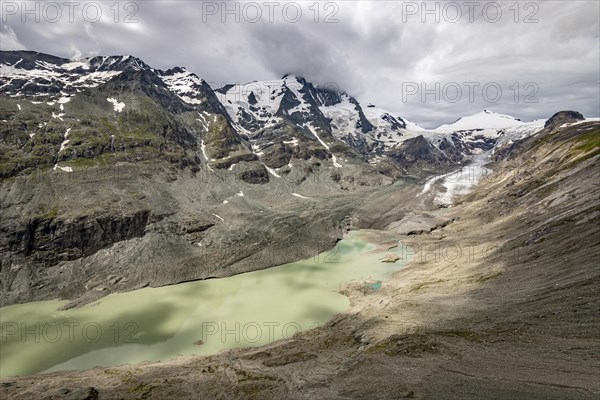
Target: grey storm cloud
(543,55)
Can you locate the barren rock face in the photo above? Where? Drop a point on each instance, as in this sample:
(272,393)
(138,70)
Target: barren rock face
(390,258)
(563,117)
(254,173)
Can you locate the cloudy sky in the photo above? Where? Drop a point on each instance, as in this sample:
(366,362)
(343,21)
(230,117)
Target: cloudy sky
(429,63)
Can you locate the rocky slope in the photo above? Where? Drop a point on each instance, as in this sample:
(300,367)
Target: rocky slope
(104,158)
(499,300)
(115,175)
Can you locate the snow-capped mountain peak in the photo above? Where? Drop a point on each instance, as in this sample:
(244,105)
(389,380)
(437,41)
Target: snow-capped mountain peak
(486,120)
(260,105)
(187,85)
(271,118)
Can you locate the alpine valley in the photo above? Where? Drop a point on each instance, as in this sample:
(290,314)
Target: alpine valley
(115,176)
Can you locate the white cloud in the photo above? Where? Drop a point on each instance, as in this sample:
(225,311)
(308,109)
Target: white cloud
(370,52)
(9,40)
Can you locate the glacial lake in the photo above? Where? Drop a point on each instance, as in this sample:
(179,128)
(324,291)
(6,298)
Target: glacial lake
(200,317)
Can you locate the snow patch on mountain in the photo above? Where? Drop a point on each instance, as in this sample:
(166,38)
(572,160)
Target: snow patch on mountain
(293,142)
(300,196)
(117,106)
(65,141)
(316,135)
(65,169)
(272,171)
(83,64)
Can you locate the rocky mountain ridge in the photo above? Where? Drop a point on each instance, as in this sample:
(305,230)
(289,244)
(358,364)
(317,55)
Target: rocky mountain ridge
(267,121)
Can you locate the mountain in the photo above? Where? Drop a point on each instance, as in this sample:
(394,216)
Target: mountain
(258,107)
(116,176)
(498,291)
(110,168)
(113,171)
(263,123)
